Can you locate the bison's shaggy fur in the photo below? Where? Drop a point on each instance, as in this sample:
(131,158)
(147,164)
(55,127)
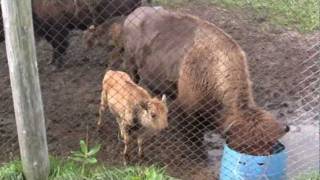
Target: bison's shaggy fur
(204,70)
(137,113)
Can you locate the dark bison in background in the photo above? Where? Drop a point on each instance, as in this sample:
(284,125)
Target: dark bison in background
(54,19)
(1,27)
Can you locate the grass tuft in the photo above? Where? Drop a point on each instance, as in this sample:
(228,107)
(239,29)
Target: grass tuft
(69,170)
(132,173)
(298,14)
(11,171)
(309,176)
(302,15)
(170,3)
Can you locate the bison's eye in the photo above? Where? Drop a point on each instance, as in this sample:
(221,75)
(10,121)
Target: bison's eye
(121,50)
(153,115)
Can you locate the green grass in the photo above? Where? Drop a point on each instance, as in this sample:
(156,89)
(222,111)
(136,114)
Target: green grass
(302,15)
(11,171)
(69,170)
(309,176)
(170,3)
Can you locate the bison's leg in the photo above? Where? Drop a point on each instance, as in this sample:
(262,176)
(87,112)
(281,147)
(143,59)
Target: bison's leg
(126,140)
(58,38)
(129,63)
(59,52)
(140,150)
(102,108)
(120,135)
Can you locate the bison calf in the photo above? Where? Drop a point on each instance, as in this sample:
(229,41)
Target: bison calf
(136,112)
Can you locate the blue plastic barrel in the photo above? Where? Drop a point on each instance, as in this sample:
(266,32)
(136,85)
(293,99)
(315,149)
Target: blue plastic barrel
(239,166)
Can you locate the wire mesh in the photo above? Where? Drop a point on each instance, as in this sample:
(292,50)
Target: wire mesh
(202,72)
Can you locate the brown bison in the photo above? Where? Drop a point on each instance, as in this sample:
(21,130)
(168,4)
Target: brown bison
(53,19)
(204,70)
(137,113)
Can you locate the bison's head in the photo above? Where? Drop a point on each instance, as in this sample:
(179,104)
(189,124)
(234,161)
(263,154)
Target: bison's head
(154,114)
(115,32)
(255,132)
(94,36)
(106,34)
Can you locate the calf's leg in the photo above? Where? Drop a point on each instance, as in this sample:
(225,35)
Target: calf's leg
(126,140)
(126,156)
(140,150)
(102,108)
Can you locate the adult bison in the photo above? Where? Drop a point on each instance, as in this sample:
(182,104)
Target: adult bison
(204,70)
(54,19)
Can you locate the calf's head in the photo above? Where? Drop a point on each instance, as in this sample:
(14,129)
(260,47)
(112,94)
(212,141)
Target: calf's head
(255,133)
(154,114)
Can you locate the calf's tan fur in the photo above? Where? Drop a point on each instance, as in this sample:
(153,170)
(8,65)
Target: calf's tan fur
(137,113)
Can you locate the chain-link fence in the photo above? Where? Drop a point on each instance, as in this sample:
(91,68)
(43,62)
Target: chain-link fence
(202,71)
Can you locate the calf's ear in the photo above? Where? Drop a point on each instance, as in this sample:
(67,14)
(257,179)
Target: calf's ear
(164,99)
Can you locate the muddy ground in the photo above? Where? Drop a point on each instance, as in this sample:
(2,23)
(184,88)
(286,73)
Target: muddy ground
(285,81)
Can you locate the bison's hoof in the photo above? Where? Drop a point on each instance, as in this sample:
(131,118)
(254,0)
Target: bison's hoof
(52,62)
(98,128)
(85,59)
(141,155)
(56,68)
(126,158)
(140,162)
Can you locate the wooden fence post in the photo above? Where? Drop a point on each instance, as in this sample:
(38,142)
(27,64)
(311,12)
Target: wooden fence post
(20,46)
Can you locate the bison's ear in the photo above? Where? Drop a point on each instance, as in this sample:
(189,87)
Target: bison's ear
(92,28)
(115,29)
(227,127)
(164,99)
